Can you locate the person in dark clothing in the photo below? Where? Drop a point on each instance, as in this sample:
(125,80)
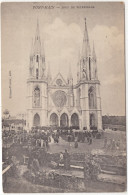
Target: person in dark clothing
(90,141)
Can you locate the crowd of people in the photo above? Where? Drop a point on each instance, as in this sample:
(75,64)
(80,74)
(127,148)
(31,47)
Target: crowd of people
(38,142)
(42,138)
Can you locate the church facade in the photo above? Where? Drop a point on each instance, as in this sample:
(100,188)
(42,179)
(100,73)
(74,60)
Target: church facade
(59,102)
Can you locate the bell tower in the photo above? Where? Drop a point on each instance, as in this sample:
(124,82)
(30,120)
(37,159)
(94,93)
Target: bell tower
(89,86)
(37,57)
(37,85)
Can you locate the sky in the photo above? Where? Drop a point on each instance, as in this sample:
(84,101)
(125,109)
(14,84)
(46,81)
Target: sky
(61,31)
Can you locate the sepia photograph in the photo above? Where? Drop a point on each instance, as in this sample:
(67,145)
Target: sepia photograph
(63,97)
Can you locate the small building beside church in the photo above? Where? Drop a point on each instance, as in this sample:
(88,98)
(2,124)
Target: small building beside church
(60,102)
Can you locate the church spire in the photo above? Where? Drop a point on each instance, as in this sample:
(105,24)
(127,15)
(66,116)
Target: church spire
(42,48)
(37,30)
(37,56)
(31,53)
(43,55)
(37,43)
(86,45)
(95,76)
(78,67)
(93,52)
(31,60)
(49,77)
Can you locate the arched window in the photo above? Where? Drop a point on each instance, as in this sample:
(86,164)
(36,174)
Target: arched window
(93,122)
(37,97)
(53,119)
(64,121)
(36,120)
(75,120)
(92,97)
(37,58)
(37,73)
(90,68)
(78,97)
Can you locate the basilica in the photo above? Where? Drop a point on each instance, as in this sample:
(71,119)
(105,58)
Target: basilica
(59,102)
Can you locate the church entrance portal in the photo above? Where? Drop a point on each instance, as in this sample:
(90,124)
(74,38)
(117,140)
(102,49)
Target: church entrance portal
(92,121)
(64,122)
(75,120)
(36,120)
(53,119)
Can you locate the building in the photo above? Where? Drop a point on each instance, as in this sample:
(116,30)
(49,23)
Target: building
(58,102)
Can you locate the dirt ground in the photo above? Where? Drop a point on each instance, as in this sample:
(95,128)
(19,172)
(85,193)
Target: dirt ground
(85,148)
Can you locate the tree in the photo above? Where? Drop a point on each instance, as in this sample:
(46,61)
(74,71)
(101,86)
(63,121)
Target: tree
(6,113)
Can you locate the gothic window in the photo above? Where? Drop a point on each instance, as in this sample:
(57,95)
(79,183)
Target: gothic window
(79,95)
(91,96)
(64,121)
(59,98)
(75,120)
(59,82)
(84,73)
(90,68)
(36,120)
(92,121)
(37,97)
(53,119)
(37,58)
(37,73)
(95,74)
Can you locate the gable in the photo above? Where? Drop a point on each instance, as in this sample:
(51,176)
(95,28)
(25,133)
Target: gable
(59,80)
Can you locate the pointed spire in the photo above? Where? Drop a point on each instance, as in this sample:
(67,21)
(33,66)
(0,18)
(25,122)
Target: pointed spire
(49,73)
(37,30)
(95,75)
(86,45)
(42,49)
(43,55)
(37,43)
(31,60)
(78,67)
(31,53)
(93,52)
